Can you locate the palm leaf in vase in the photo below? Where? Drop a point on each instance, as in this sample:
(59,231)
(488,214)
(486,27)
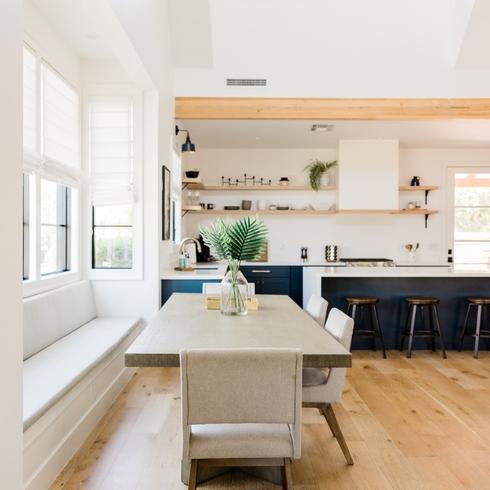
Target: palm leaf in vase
(244,239)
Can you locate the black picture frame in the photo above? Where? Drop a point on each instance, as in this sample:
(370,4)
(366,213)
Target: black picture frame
(166,203)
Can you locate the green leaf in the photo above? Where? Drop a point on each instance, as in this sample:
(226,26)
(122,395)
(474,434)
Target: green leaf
(243,240)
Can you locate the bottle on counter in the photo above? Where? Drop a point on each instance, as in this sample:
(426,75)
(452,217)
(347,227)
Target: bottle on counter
(182,261)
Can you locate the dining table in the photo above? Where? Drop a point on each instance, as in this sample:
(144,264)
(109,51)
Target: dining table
(184,322)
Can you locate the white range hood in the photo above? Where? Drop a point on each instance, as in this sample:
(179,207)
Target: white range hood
(368,174)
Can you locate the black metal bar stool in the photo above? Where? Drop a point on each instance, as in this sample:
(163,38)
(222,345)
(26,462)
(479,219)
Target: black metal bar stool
(430,330)
(481,304)
(373,330)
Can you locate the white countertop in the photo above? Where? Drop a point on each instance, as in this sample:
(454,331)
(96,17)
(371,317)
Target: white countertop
(404,271)
(209,271)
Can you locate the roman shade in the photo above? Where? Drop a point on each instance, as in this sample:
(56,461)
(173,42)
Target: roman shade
(111,150)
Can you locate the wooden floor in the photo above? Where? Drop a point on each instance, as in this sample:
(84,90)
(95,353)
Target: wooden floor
(422,423)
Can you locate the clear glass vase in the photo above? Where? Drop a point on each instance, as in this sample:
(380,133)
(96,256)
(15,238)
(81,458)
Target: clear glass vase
(234,291)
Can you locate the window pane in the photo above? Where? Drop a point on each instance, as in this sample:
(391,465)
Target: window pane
(113,215)
(113,247)
(49,205)
(49,249)
(55,227)
(472,220)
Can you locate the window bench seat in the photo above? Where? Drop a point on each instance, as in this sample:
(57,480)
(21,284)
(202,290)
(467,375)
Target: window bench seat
(73,370)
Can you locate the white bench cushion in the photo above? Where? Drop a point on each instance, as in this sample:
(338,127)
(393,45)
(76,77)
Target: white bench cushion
(240,441)
(52,372)
(50,316)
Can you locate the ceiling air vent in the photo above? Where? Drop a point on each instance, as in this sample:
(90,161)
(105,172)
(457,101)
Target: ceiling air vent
(246,82)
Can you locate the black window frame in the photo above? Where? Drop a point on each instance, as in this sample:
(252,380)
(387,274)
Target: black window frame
(94,226)
(63,229)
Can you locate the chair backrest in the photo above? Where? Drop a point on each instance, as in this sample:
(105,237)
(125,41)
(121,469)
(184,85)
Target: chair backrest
(232,386)
(50,316)
(317,308)
(340,326)
(215,288)
(240,386)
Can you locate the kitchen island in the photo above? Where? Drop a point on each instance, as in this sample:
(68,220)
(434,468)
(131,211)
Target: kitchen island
(391,285)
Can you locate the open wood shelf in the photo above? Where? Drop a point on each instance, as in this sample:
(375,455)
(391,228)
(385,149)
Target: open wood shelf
(199,186)
(414,188)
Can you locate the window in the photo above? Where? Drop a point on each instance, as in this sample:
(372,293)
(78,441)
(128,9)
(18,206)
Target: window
(472,220)
(25,226)
(112,237)
(112,156)
(52,174)
(55,227)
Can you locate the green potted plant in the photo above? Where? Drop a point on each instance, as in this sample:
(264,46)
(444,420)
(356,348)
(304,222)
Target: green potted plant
(242,240)
(317,168)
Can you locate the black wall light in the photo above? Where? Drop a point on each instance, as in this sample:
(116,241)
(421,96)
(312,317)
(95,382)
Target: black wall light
(188,146)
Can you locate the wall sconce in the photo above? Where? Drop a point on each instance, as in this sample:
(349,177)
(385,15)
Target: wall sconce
(188,146)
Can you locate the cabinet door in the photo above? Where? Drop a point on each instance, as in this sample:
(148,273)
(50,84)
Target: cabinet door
(274,285)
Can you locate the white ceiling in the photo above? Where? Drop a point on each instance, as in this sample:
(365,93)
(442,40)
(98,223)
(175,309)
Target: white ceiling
(297,134)
(77,22)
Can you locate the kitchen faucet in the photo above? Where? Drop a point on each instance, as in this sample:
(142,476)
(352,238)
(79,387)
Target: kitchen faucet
(186,240)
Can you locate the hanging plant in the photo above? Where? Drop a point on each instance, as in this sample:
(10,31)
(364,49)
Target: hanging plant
(316,169)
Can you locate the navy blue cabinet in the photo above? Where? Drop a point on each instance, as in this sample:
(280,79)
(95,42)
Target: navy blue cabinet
(170,286)
(278,279)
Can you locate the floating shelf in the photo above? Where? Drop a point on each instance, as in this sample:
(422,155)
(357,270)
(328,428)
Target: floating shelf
(199,186)
(419,188)
(311,212)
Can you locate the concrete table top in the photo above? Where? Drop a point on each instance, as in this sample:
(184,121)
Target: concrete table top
(184,322)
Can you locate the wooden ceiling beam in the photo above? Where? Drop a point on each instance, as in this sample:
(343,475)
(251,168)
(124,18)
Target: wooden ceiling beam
(330,109)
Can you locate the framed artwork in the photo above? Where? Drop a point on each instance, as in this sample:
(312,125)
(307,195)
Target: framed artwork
(166,203)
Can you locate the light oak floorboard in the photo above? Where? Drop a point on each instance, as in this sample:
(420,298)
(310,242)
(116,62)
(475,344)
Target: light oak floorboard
(420,423)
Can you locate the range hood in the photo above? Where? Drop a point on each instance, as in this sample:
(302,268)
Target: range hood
(368,174)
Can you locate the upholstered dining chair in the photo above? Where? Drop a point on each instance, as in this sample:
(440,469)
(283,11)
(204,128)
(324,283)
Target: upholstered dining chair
(317,308)
(215,288)
(240,407)
(322,387)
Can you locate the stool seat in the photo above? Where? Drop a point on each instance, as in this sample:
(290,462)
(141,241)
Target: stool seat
(362,300)
(421,300)
(481,300)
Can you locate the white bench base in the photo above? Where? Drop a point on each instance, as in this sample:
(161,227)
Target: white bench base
(53,439)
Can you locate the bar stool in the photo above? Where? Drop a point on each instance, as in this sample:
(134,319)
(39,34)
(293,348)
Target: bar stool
(481,303)
(373,330)
(418,303)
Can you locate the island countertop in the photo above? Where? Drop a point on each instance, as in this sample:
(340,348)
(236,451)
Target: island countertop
(398,271)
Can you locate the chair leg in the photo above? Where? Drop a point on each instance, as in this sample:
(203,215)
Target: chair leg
(412,330)
(477,333)
(193,474)
(438,326)
(335,428)
(286,475)
(378,328)
(465,326)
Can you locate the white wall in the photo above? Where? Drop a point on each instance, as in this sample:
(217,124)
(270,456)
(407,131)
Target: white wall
(11,245)
(326,48)
(366,236)
(42,37)
(146,25)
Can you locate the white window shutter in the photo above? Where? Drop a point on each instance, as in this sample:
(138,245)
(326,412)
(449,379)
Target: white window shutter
(60,119)
(111,150)
(30,94)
